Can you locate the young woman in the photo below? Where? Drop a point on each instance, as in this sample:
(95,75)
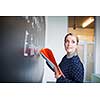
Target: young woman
(70,65)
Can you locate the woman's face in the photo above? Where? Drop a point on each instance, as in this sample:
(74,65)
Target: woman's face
(70,44)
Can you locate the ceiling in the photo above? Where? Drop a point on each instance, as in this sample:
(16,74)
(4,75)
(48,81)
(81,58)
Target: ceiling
(76,21)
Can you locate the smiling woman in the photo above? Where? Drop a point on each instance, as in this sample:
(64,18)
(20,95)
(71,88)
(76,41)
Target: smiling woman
(71,42)
(71,67)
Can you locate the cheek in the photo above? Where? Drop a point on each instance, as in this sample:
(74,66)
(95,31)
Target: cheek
(65,45)
(75,47)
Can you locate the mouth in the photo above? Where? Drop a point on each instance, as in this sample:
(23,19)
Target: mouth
(69,47)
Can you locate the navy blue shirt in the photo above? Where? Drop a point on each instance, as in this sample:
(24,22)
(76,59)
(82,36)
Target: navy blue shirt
(73,70)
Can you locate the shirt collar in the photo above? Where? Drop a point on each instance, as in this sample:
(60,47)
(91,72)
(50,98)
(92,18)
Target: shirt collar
(71,55)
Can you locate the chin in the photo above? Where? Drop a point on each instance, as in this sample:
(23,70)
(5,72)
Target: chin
(69,51)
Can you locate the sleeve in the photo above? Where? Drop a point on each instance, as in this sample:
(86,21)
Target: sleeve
(77,75)
(63,80)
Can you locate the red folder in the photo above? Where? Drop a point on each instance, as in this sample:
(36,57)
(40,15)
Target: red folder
(49,57)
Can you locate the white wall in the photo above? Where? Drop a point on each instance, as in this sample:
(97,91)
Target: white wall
(97,45)
(56,29)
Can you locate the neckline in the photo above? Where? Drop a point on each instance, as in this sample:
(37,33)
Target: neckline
(71,55)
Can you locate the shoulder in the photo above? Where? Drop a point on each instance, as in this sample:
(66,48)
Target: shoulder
(63,61)
(64,57)
(76,61)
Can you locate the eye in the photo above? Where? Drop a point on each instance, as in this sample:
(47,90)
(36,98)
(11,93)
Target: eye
(73,41)
(67,41)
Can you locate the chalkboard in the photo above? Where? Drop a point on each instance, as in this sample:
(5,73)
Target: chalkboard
(14,65)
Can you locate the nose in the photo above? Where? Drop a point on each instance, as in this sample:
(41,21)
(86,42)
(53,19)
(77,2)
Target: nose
(69,43)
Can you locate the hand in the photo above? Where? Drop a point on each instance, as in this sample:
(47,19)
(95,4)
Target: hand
(58,72)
